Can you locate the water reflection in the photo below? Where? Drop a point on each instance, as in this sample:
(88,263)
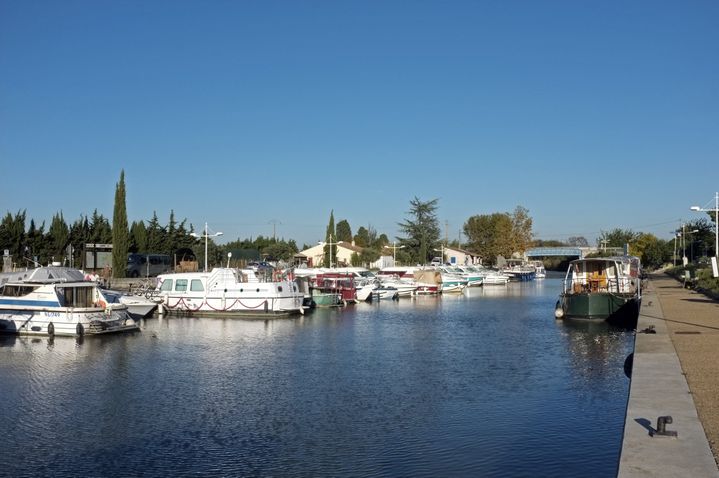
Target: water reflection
(596,351)
(418,387)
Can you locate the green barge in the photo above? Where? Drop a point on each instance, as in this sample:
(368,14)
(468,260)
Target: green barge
(602,288)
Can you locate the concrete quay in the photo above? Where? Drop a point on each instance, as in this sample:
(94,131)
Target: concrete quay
(675,374)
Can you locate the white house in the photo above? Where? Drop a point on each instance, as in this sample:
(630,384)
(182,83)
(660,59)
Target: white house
(315,254)
(455,255)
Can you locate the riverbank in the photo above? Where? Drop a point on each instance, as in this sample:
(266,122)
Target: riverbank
(674,374)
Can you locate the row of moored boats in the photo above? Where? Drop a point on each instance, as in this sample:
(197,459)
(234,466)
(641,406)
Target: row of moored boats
(57,300)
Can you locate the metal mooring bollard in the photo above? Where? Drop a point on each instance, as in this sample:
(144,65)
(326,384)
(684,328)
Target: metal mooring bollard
(662,427)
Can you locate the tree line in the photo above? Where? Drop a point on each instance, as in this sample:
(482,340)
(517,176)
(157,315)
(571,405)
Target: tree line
(487,236)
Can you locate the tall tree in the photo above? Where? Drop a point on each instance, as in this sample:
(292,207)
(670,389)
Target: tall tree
(171,239)
(421,229)
(100,229)
(35,243)
(120,233)
(617,237)
(138,237)
(488,235)
(651,250)
(12,233)
(362,237)
(578,241)
(344,231)
(59,237)
(155,235)
(521,229)
(330,249)
(79,236)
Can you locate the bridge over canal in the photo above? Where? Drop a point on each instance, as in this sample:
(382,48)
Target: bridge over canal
(571,251)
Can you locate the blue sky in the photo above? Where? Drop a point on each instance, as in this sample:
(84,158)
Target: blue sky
(592,115)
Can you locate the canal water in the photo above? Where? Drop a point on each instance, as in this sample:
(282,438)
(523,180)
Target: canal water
(486,383)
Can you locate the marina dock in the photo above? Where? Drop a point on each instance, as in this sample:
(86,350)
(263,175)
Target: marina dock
(674,375)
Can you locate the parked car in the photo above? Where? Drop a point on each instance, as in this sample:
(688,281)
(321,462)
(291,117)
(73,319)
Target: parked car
(148,265)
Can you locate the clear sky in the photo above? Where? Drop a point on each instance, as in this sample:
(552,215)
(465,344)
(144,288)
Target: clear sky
(592,115)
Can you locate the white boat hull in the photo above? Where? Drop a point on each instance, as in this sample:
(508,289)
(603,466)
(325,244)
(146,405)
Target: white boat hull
(222,294)
(58,301)
(51,321)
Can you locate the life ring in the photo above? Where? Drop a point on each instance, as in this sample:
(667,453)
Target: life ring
(50,329)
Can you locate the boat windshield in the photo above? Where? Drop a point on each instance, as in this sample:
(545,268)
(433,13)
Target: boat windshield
(75,296)
(14,290)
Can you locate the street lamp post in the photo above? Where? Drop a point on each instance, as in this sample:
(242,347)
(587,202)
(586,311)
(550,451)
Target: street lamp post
(441,249)
(716,222)
(206,236)
(330,243)
(394,252)
(691,245)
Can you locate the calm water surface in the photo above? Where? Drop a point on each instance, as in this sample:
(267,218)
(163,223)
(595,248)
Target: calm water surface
(481,384)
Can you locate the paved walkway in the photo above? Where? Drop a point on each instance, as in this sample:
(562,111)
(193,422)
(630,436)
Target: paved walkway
(676,373)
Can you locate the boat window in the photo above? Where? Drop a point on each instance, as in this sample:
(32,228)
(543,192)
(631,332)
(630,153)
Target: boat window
(76,296)
(181,285)
(16,290)
(166,285)
(196,285)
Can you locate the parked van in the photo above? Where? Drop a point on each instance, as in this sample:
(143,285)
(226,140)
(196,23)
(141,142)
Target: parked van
(148,265)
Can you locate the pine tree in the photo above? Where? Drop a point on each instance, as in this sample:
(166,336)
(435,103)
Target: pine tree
(138,237)
(423,232)
(59,237)
(120,233)
(155,235)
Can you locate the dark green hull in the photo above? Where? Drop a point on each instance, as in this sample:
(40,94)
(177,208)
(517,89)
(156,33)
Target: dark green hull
(619,309)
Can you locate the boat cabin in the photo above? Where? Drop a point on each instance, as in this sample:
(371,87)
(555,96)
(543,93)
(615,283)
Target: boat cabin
(594,275)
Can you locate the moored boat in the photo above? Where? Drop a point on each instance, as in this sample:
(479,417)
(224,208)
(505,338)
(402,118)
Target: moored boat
(520,272)
(57,300)
(603,288)
(228,292)
(137,305)
(416,280)
(540,270)
(451,282)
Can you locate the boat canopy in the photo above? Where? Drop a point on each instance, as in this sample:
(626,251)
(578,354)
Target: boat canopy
(44,275)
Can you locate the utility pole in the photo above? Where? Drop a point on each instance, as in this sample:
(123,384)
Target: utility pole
(274,223)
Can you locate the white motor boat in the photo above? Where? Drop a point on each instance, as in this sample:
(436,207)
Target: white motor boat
(138,306)
(58,301)
(405,287)
(228,291)
(489,276)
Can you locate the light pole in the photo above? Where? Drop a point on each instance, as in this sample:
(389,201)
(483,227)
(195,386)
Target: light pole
(206,236)
(691,245)
(441,249)
(330,243)
(394,252)
(716,222)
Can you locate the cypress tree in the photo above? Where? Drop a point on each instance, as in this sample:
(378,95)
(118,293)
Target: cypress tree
(330,248)
(120,233)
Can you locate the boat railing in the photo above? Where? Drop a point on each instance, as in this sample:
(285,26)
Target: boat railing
(578,285)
